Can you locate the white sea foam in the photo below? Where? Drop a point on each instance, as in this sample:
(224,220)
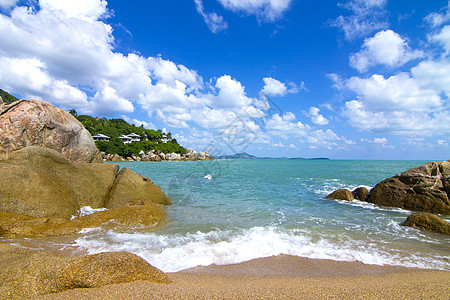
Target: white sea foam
(87,210)
(172,253)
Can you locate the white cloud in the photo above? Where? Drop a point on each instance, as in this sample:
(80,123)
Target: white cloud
(273,87)
(214,22)
(7,4)
(366,17)
(325,139)
(443,38)
(286,126)
(386,48)
(398,92)
(264,10)
(317,118)
(138,123)
(439,18)
(380,142)
(90,9)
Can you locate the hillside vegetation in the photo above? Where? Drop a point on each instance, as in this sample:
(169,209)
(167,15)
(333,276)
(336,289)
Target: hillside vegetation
(6,97)
(150,139)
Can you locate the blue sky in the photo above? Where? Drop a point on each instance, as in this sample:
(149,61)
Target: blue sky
(359,79)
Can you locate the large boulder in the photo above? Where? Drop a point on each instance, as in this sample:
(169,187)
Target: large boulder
(41,191)
(28,274)
(361,194)
(173,156)
(428,222)
(130,186)
(425,188)
(35,192)
(90,182)
(35,123)
(342,194)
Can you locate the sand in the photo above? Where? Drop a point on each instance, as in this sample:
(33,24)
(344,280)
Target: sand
(282,277)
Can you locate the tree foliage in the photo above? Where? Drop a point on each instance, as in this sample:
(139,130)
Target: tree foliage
(150,139)
(6,97)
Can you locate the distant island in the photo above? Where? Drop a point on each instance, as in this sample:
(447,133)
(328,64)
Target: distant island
(245,155)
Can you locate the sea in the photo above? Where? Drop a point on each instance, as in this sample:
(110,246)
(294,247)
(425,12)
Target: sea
(234,210)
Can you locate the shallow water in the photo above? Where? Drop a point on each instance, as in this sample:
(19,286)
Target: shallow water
(246,209)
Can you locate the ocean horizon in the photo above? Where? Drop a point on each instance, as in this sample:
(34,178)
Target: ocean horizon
(231,211)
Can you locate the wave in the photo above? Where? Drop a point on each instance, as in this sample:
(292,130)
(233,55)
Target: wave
(172,253)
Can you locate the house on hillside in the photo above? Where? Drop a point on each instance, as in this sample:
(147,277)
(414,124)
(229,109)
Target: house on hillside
(101,137)
(134,137)
(125,139)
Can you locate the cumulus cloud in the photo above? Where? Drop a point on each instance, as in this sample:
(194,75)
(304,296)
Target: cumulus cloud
(366,16)
(264,10)
(273,87)
(436,19)
(398,92)
(317,118)
(443,38)
(386,48)
(400,104)
(214,22)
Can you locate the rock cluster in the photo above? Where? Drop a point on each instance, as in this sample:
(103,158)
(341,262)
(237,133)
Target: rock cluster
(153,155)
(425,188)
(41,191)
(28,274)
(35,123)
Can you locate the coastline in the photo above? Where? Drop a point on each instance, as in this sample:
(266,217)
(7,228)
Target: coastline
(281,277)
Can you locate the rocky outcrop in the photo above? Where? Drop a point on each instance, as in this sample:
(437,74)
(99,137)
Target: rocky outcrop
(28,274)
(191,155)
(428,222)
(361,194)
(41,190)
(142,190)
(342,194)
(35,123)
(425,188)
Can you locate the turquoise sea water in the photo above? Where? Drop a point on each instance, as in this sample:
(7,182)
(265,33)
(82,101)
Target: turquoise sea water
(229,211)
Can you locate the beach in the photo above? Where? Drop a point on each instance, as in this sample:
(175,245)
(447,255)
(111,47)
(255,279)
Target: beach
(282,277)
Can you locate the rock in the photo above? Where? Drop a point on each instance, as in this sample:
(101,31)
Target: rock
(428,222)
(41,190)
(90,182)
(173,156)
(154,157)
(361,194)
(28,274)
(35,123)
(425,188)
(341,194)
(35,192)
(130,186)
(132,214)
(162,155)
(202,155)
(116,157)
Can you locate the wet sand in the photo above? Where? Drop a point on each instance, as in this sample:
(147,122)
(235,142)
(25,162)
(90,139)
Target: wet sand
(282,277)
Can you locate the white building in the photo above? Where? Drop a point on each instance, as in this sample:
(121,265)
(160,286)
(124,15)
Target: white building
(134,137)
(101,137)
(125,139)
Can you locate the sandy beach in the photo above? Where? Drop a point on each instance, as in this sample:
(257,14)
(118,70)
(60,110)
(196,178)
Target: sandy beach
(282,277)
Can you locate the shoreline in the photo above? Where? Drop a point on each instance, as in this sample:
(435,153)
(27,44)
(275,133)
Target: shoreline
(281,277)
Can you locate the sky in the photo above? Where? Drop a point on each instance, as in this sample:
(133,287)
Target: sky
(350,79)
